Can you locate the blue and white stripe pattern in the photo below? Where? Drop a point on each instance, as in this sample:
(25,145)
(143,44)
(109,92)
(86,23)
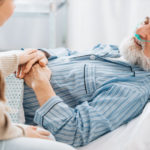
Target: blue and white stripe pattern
(95,95)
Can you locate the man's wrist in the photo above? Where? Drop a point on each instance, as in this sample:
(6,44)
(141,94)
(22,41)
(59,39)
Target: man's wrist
(44,92)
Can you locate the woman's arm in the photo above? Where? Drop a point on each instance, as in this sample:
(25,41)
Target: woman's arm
(7,129)
(9,62)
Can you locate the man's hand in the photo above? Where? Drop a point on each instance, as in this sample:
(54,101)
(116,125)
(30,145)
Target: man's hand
(37,75)
(40,58)
(38,79)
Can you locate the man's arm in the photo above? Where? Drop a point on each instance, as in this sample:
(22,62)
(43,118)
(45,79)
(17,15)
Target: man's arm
(80,125)
(112,105)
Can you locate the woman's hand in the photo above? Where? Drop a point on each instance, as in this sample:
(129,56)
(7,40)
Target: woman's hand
(26,56)
(29,58)
(33,132)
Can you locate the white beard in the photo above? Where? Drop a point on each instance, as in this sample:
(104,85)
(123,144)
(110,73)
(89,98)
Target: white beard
(134,54)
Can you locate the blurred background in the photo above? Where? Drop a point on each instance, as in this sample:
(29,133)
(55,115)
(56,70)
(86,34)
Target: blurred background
(75,24)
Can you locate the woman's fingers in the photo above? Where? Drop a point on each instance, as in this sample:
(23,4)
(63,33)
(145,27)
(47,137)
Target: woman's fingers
(18,72)
(32,56)
(26,56)
(22,74)
(43,132)
(30,51)
(43,62)
(33,132)
(31,63)
(34,127)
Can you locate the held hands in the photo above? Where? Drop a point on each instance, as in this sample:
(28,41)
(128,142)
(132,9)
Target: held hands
(37,76)
(27,59)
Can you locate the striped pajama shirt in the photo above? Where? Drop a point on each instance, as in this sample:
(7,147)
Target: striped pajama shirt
(96,93)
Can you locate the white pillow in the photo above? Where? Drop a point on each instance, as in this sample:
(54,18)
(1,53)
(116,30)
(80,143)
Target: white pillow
(14,94)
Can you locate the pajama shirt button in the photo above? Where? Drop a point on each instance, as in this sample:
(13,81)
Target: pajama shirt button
(92,57)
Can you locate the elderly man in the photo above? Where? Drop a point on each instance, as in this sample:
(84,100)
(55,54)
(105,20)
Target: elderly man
(82,96)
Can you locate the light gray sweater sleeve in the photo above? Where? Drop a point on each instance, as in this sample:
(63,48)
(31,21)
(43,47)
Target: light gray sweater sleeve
(7,129)
(8,64)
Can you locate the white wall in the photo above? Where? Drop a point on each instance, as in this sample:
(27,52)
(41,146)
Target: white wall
(89,23)
(105,21)
(33,30)
(24,32)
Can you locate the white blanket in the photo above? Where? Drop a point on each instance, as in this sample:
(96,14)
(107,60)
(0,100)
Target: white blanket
(133,136)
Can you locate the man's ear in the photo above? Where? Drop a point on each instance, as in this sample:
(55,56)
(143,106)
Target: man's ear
(2,88)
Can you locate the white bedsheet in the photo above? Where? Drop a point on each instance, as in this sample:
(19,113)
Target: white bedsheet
(133,136)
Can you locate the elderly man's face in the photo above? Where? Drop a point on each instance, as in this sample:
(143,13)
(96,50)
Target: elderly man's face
(136,49)
(144,29)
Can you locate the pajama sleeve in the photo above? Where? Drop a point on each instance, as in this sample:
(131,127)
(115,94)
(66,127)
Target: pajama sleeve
(112,106)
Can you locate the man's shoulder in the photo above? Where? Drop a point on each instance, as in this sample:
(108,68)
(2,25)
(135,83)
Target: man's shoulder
(107,50)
